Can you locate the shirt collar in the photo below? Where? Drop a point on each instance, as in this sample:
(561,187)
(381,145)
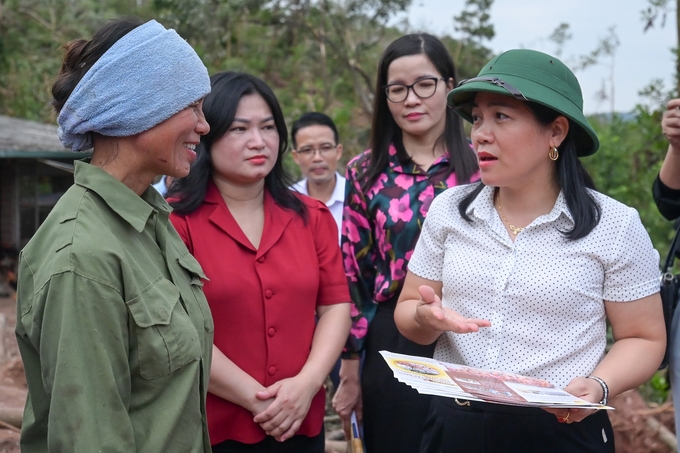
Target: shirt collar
(339,191)
(338,194)
(483,208)
(134,209)
(301,187)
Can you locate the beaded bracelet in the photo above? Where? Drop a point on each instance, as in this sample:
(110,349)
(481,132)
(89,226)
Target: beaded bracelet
(605,389)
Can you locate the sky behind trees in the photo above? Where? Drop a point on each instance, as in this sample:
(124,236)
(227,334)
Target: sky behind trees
(640,57)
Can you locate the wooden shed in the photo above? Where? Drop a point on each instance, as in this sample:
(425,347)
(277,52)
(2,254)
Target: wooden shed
(35,170)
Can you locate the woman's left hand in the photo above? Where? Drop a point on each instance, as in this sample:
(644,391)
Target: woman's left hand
(292,399)
(584,388)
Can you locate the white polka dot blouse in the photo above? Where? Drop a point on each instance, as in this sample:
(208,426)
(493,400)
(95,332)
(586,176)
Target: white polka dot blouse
(543,293)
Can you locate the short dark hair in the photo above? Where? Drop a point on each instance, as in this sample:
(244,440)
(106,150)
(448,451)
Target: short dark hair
(572,178)
(385,131)
(220,108)
(313,119)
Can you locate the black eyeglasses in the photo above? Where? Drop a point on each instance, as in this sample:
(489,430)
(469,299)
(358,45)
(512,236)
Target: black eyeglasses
(498,82)
(423,88)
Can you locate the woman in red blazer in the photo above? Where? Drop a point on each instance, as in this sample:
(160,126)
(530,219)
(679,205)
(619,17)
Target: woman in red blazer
(273,266)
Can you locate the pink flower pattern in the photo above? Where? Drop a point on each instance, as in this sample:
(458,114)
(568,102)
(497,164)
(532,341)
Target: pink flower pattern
(380,230)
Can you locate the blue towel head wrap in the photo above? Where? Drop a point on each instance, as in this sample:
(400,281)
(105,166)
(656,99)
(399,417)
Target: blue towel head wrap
(145,78)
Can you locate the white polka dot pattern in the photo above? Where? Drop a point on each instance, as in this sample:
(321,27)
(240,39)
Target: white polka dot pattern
(544,294)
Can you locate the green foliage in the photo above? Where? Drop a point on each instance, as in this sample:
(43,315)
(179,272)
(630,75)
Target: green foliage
(31,35)
(656,390)
(474,22)
(316,55)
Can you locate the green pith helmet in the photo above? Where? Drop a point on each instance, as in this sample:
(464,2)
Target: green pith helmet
(534,76)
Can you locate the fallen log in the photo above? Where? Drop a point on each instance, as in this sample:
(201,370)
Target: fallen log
(664,434)
(11,415)
(10,427)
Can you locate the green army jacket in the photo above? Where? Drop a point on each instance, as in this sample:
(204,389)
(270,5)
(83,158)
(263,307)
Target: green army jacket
(113,327)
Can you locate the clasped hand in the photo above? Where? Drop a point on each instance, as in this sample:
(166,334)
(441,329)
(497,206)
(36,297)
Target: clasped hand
(286,404)
(431,315)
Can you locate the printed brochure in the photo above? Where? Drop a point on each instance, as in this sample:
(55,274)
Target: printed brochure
(432,377)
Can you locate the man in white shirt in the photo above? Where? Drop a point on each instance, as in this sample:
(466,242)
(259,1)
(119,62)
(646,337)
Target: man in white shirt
(316,149)
(163,185)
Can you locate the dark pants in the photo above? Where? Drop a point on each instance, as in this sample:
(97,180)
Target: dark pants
(493,428)
(393,412)
(296,444)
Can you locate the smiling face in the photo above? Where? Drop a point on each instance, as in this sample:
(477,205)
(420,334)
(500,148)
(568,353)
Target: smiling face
(415,116)
(511,144)
(319,165)
(169,146)
(247,152)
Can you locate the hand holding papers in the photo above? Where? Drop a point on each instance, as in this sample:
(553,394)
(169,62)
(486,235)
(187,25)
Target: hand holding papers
(432,377)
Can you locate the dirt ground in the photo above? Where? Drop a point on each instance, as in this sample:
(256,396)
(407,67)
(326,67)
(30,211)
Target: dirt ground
(638,428)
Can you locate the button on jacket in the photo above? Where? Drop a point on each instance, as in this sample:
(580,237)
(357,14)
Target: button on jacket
(264,300)
(112,325)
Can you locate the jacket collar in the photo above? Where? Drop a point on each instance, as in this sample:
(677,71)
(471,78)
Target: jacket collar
(132,208)
(276,219)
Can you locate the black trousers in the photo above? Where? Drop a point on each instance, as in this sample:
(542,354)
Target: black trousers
(493,428)
(296,444)
(393,412)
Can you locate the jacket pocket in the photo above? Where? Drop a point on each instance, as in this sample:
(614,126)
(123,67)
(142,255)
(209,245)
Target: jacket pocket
(166,338)
(196,277)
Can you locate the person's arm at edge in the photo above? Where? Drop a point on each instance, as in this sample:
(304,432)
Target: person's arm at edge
(670,169)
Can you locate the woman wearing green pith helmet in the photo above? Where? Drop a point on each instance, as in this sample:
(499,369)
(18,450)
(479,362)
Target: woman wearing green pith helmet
(521,272)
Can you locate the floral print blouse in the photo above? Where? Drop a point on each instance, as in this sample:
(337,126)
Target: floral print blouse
(380,229)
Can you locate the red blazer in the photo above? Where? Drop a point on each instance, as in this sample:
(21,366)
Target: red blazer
(263,301)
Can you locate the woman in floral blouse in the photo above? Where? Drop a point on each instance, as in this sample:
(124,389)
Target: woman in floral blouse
(418,149)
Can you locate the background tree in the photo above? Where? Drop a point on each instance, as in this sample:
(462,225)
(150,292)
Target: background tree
(317,54)
(656,13)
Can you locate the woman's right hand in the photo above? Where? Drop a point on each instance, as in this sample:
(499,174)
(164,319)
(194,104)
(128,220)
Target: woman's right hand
(420,316)
(431,315)
(347,397)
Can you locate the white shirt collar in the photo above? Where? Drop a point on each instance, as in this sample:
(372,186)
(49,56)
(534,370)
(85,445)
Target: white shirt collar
(338,195)
(482,207)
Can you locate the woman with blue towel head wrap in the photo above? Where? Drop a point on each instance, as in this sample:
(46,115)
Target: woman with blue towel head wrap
(275,267)
(113,327)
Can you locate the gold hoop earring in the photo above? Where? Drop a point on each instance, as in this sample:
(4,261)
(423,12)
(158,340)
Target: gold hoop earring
(553,154)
